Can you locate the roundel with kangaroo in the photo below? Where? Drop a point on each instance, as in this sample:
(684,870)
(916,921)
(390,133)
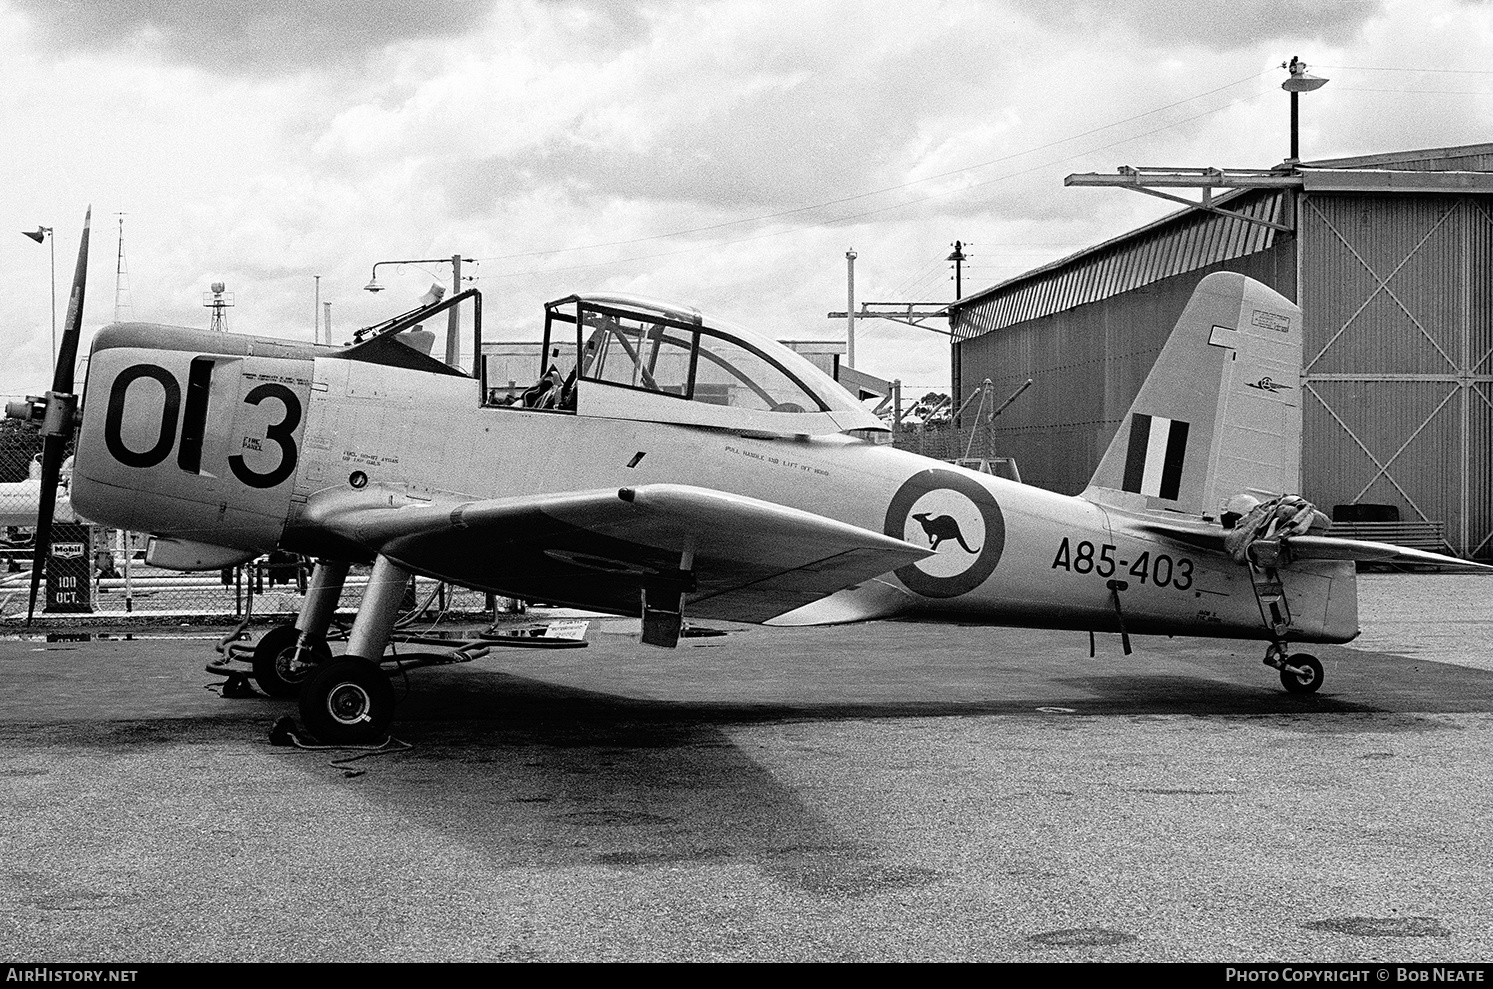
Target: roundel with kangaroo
(956,517)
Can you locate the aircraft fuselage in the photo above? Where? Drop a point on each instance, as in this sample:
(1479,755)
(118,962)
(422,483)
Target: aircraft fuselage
(231,448)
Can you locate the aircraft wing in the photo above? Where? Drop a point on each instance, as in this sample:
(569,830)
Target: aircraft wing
(749,560)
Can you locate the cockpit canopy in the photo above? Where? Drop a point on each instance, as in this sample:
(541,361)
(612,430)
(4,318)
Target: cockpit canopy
(624,357)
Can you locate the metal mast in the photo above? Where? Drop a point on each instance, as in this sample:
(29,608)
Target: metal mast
(218,300)
(123,309)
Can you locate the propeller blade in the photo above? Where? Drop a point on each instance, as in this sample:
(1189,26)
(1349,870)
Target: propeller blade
(72,327)
(58,420)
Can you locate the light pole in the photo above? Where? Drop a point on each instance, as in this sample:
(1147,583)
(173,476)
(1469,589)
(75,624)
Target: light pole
(850,257)
(958,257)
(1299,82)
(453,324)
(40,234)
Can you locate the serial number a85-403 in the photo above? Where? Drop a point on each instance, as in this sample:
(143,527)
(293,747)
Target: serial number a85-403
(1157,568)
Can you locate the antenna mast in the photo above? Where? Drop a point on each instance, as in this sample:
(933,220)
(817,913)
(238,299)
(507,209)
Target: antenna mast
(123,309)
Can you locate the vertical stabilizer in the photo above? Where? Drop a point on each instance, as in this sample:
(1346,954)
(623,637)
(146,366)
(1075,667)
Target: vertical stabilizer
(1220,413)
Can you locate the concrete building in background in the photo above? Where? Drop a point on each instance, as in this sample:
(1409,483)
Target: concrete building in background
(1390,258)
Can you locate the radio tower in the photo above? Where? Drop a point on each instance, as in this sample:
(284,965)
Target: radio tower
(218,301)
(123,310)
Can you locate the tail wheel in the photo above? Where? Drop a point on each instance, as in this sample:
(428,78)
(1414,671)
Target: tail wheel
(347,701)
(277,669)
(1302,674)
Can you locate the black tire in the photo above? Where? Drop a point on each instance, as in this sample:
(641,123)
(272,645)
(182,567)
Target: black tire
(274,668)
(1302,683)
(347,701)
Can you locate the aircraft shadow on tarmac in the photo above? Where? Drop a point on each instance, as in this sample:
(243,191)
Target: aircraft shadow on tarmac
(544,709)
(533,774)
(536,772)
(542,773)
(1362,683)
(591,782)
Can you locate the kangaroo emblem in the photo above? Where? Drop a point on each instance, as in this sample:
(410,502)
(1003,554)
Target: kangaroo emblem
(941,527)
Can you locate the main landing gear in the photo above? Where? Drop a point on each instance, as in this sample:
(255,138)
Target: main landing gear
(347,701)
(286,656)
(1300,673)
(344,700)
(350,700)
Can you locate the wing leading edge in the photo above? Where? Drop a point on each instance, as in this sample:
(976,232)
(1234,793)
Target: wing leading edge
(730,557)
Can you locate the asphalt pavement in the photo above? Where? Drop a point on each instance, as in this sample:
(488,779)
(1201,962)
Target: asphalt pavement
(883,792)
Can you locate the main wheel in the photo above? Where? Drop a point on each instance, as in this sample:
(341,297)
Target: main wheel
(1307,680)
(347,700)
(276,669)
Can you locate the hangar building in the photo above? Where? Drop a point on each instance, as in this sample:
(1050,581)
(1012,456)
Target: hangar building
(1390,258)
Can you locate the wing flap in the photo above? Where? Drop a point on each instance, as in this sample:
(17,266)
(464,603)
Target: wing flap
(790,590)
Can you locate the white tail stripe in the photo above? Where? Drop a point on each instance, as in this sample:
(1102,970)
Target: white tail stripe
(1161,430)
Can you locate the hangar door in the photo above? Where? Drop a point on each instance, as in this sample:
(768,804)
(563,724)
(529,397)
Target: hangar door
(1398,362)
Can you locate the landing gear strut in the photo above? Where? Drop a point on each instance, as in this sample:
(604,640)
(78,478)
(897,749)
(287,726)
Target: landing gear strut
(286,655)
(351,700)
(1300,673)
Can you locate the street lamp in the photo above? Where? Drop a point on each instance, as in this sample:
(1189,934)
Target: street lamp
(454,261)
(850,257)
(453,325)
(1299,82)
(40,234)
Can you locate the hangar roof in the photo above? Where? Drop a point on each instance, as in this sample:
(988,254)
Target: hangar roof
(1194,238)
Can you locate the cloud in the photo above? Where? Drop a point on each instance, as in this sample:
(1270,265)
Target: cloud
(1218,26)
(731,152)
(745,109)
(254,37)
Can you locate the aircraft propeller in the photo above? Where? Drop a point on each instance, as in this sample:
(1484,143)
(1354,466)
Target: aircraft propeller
(56,415)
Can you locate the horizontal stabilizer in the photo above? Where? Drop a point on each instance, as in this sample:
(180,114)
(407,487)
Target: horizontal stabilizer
(1212,537)
(1364,551)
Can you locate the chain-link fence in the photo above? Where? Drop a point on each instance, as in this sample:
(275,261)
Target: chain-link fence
(942,441)
(271,587)
(972,444)
(20,484)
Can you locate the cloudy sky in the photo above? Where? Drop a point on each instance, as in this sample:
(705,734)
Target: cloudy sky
(721,154)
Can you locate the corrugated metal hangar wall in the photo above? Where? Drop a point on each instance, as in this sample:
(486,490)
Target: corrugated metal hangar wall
(1391,263)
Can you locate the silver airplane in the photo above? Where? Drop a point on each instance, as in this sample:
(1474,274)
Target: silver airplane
(665,463)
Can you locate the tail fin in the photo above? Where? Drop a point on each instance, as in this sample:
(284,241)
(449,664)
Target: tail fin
(1220,413)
